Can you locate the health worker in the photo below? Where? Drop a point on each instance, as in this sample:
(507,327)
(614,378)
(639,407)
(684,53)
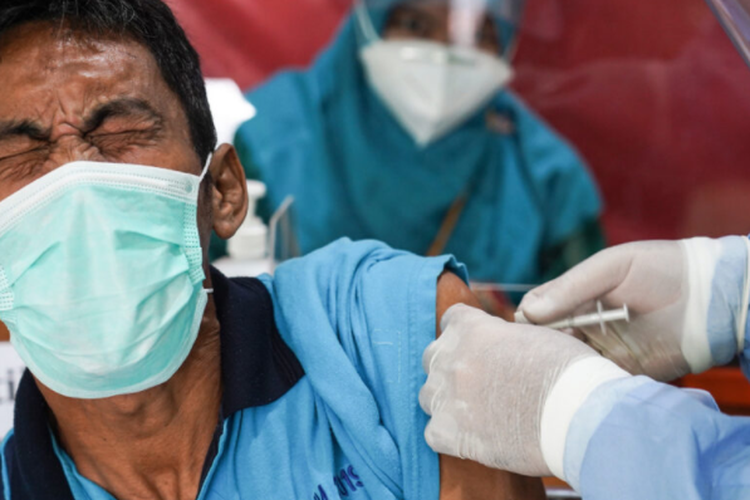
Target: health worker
(404,130)
(537,401)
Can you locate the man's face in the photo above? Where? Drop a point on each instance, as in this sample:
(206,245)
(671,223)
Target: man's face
(436,23)
(66,97)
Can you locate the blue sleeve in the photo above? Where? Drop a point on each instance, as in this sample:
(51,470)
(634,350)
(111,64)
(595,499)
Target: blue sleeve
(636,438)
(4,477)
(359,317)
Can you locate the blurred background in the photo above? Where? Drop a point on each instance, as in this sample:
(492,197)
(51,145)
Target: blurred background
(652,94)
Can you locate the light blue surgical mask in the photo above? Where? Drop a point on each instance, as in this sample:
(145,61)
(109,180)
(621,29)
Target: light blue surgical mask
(101,276)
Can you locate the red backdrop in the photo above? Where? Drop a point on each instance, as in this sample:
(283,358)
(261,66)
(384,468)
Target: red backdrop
(652,94)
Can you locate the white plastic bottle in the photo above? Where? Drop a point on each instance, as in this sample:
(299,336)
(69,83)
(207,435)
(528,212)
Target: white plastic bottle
(248,249)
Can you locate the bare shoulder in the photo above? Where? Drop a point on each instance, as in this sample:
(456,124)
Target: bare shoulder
(452,290)
(463,479)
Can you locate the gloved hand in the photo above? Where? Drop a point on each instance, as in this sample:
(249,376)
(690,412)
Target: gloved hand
(688,302)
(488,386)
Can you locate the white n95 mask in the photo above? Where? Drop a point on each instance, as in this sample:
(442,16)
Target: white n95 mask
(432,88)
(101,277)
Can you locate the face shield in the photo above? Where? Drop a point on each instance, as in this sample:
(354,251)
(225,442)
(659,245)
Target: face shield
(436,63)
(487,25)
(734,15)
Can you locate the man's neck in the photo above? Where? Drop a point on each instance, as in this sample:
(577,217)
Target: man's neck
(150,445)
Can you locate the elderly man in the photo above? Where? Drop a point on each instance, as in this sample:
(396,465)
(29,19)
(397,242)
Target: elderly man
(152,376)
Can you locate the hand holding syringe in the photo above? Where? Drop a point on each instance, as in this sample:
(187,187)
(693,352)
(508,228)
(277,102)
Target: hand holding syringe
(600,317)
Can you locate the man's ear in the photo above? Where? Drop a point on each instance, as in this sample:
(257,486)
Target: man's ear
(229,191)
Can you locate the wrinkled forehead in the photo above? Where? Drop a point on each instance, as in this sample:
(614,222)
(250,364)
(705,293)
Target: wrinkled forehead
(47,70)
(43,48)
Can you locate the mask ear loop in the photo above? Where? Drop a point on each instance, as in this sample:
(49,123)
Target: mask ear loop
(209,291)
(205,168)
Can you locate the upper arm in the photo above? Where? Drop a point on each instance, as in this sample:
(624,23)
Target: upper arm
(4,335)
(452,290)
(463,479)
(466,480)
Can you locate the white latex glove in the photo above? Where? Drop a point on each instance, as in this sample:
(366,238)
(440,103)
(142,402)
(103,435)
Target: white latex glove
(488,387)
(688,303)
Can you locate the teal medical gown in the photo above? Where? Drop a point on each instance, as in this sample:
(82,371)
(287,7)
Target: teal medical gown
(323,136)
(635,438)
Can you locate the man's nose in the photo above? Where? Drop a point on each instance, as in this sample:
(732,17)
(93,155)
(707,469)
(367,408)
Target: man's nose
(71,148)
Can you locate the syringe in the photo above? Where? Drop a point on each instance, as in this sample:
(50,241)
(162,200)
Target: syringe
(501,287)
(600,317)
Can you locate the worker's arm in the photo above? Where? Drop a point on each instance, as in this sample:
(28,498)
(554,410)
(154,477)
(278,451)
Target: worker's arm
(464,479)
(637,438)
(4,335)
(535,401)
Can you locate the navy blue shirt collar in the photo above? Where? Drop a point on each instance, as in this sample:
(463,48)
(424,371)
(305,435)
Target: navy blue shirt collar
(257,369)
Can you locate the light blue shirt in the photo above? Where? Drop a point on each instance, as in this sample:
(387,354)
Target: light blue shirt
(358,316)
